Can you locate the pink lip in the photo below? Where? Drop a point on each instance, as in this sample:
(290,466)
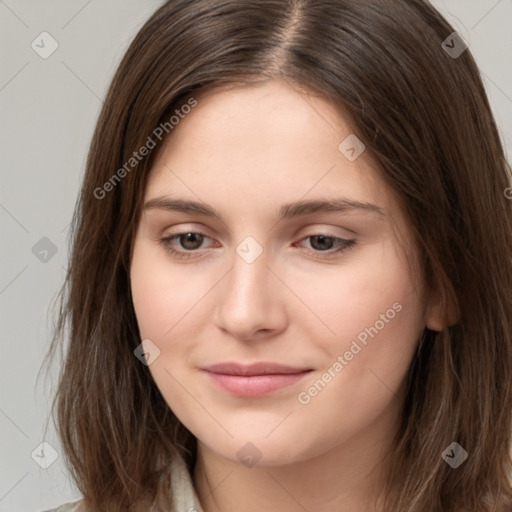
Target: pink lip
(254,380)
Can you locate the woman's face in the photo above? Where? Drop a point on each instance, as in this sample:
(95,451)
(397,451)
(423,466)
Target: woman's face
(291,275)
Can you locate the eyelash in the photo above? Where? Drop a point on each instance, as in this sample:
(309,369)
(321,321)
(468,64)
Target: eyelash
(344,245)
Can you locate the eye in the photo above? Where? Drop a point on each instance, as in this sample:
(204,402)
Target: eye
(191,241)
(323,243)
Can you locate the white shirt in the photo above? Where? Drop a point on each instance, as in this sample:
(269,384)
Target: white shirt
(184,497)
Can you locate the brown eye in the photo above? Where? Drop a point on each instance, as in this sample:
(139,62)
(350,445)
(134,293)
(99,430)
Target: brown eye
(321,242)
(330,245)
(188,244)
(190,241)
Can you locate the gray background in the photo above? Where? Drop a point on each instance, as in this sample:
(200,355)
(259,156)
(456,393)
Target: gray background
(49,108)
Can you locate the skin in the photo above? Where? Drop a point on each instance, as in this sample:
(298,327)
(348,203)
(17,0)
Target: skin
(246,151)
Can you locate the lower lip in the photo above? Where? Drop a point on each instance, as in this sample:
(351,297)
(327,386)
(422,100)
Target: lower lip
(255,385)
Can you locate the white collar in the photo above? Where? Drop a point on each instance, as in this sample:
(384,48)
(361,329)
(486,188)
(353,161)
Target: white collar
(184,496)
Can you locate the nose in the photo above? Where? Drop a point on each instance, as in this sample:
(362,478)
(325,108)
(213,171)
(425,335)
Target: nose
(250,300)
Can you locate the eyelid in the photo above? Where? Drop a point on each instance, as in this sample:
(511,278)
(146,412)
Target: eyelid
(327,230)
(320,231)
(342,244)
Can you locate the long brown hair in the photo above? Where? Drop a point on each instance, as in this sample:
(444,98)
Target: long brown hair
(424,116)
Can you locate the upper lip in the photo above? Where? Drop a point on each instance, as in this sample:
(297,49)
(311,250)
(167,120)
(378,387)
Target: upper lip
(263,368)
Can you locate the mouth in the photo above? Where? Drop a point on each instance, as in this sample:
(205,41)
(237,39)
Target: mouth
(254,380)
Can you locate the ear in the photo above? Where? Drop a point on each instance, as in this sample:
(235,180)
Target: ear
(442,311)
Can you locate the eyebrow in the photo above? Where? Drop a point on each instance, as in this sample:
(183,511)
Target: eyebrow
(287,211)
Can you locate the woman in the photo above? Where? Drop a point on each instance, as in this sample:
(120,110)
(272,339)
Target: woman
(290,285)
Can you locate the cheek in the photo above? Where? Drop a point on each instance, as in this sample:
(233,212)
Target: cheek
(372,318)
(352,296)
(163,295)
(166,301)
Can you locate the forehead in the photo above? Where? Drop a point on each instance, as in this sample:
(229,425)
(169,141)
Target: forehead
(260,146)
(269,114)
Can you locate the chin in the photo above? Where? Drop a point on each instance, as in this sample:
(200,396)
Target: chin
(258,450)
